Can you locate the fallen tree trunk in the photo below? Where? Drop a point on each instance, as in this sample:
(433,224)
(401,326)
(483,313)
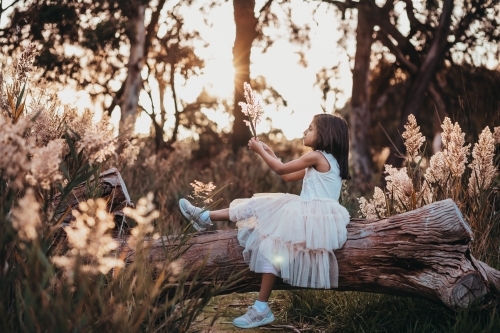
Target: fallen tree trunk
(422,253)
(110,186)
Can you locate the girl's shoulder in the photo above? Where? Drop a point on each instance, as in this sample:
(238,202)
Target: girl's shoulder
(322,161)
(327,155)
(315,154)
(331,159)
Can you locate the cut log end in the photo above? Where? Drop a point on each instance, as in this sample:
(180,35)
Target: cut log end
(489,274)
(468,291)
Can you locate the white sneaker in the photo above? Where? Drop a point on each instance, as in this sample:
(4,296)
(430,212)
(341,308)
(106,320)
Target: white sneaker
(254,318)
(193,214)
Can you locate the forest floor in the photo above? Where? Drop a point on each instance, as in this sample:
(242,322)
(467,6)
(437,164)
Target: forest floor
(227,307)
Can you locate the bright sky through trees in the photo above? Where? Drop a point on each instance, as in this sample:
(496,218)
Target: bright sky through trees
(279,65)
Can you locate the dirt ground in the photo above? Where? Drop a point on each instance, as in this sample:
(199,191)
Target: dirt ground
(228,307)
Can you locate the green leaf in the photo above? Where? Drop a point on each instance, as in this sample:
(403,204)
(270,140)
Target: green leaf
(65,171)
(77,137)
(48,273)
(79,179)
(20,97)
(71,146)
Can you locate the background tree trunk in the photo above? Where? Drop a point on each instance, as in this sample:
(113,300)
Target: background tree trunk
(246,24)
(422,253)
(133,83)
(421,81)
(359,118)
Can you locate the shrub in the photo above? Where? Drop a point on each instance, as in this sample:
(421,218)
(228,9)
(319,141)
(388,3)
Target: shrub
(75,277)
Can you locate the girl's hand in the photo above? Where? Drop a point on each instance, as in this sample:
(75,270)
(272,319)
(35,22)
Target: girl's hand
(255,145)
(266,147)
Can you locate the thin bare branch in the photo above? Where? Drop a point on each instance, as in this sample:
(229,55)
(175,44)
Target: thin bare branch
(266,6)
(396,51)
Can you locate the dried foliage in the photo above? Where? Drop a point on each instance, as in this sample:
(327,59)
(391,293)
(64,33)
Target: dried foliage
(483,169)
(75,277)
(413,139)
(252,108)
(474,189)
(375,208)
(89,239)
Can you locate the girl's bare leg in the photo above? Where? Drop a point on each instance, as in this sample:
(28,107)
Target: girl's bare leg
(266,286)
(219,215)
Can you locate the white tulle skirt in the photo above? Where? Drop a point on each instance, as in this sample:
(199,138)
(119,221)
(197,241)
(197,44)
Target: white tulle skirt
(296,235)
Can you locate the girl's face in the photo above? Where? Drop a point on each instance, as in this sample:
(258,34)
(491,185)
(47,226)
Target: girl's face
(310,135)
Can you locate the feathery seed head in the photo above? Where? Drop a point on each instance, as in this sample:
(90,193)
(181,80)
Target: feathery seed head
(455,150)
(89,238)
(413,137)
(496,135)
(483,169)
(375,208)
(144,214)
(201,192)
(252,108)
(25,63)
(98,141)
(45,164)
(399,185)
(14,150)
(26,216)
(450,162)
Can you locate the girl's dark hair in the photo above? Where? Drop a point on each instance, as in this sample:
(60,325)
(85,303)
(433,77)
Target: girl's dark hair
(332,136)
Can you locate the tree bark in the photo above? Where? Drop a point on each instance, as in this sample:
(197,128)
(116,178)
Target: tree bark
(176,105)
(423,253)
(246,25)
(359,118)
(133,83)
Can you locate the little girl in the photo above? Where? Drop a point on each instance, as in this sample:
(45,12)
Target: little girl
(287,235)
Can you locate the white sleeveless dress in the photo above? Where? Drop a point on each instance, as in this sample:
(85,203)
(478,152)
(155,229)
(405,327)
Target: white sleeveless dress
(296,234)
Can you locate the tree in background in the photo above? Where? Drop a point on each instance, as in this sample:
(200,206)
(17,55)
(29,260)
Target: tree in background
(250,25)
(172,57)
(132,85)
(439,34)
(359,117)
(102,47)
(429,50)
(246,32)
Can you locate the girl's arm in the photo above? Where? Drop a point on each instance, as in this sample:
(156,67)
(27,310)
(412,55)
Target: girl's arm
(289,177)
(269,151)
(300,164)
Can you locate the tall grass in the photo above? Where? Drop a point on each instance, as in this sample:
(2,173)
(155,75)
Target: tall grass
(74,278)
(169,177)
(50,283)
(332,311)
(473,183)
